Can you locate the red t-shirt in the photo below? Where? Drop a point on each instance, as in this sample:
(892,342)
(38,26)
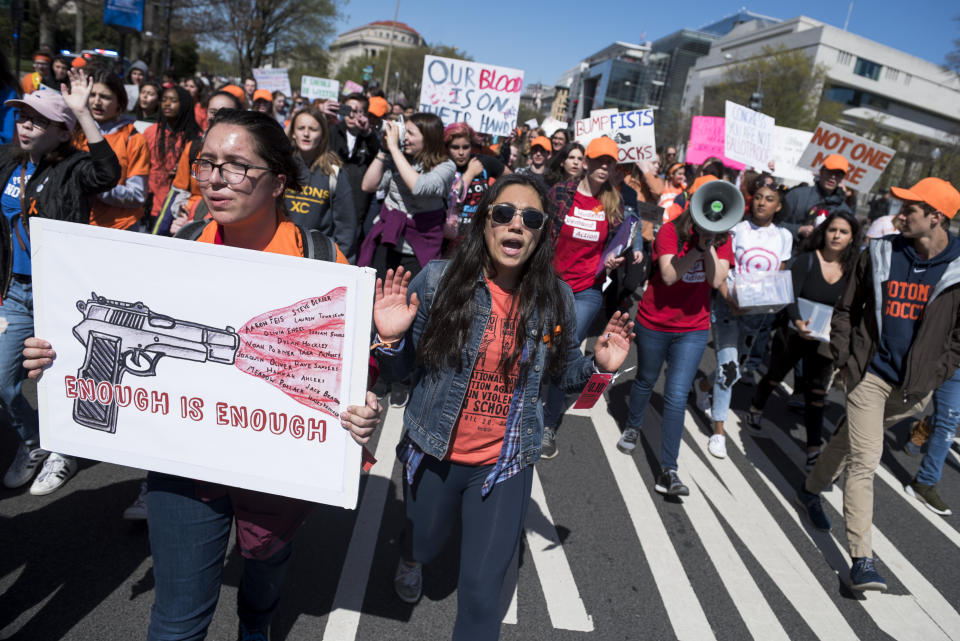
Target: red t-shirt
(581,241)
(685,305)
(478,434)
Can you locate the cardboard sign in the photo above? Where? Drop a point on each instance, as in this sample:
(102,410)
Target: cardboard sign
(313,88)
(748,136)
(867,159)
(707,135)
(532,123)
(350,87)
(788,146)
(551,125)
(273,80)
(237,378)
(486,97)
(633,132)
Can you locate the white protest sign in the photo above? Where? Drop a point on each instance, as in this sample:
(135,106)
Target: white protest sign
(273,80)
(867,159)
(486,97)
(532,123)
(748,136)
(632,131)
(551,125)
(236,378)
(313,88)
(133,96)
(788,146)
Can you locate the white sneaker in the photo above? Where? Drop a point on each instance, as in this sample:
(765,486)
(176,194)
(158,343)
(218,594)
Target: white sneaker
(718,445)
(24,465)
(138,509)
(56,471)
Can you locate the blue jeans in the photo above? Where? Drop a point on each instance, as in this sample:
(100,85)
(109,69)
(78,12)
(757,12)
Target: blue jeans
(681,351)
(188,541)
(734,338)
(946,416)
(17,311)
(587,304)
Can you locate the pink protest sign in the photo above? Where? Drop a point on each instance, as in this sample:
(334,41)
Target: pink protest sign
(706,140)
(352,87)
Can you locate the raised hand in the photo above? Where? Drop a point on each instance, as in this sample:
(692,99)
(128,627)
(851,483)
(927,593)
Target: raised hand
(613,345)
(78,95)
(392,314)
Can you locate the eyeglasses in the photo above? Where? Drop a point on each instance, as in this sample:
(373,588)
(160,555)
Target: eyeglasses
(36,120)
(232,172)
(503,213)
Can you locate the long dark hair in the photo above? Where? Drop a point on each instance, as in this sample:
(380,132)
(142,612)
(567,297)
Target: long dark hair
(434,150)
(539,295)
(138,111)
(182,130)
(818,239)
(555,173)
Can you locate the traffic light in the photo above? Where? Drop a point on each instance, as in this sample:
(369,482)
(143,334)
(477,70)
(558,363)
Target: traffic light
(756,101)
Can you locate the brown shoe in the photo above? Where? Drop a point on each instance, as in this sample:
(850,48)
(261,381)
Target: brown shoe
(919,433)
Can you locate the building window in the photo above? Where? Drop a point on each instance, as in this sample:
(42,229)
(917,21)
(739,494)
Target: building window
(844,58)
(867,69)
(892,74)
(906,78)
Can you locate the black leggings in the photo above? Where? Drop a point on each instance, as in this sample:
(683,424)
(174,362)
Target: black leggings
(491,532)
(788,348)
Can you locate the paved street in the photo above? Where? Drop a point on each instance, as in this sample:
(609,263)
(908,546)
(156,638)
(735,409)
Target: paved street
(604,557)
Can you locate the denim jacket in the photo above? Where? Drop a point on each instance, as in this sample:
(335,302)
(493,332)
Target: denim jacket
(437,396)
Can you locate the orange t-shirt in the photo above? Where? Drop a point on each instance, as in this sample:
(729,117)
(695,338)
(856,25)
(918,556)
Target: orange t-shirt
(478,434)
(286,240)
(185,181)
(131,149)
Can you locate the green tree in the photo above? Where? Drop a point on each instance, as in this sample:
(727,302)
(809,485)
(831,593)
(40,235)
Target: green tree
(791,85)
(953,58)
(406,69)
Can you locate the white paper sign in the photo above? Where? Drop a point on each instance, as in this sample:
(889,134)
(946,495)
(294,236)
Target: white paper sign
(313,88)
(486,97)
(236,377)
(551,125)
(788,146)
(532,123)
(748,136)
(633,132)
(273,80)
(867,159)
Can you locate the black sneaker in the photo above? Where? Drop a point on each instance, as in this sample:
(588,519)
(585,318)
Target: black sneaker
(669,484)
(548,446)
(927,494)
(399,395)
(864,575)
(755,419)
(813,509)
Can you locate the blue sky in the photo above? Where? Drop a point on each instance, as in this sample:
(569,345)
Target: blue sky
(547,38)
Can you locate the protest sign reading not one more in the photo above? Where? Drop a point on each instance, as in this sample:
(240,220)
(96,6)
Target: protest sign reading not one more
(486,97)
(867,159)
(633,131)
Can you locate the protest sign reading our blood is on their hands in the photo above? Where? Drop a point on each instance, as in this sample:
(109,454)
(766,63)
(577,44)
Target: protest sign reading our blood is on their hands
(486,97)
(633,131)
(867,158)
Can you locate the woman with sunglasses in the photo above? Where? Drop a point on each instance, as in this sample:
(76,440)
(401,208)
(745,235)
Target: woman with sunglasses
(43,174)
(589,211)
(481,331)
(673,324)
(244,167)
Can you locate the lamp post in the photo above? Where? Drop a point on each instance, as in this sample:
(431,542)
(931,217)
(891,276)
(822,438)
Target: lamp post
(393,33)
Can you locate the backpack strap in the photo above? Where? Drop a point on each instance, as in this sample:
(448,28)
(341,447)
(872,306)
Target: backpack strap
(317,245)
(192,230)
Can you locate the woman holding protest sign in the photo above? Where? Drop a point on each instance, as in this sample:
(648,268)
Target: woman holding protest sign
(244,167)
(326,202)
(495,317)
(166,140)
(589,212)
(673,324)
(44,175)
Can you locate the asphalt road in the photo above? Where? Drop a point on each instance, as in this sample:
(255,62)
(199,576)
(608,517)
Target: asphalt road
(604,556)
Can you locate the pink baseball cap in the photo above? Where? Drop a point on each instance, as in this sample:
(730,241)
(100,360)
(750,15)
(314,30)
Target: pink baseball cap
(49,104)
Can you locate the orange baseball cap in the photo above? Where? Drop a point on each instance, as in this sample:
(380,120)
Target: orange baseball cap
(600,147)
(936,192)
(701,181)
(835,162)
(541,141)
(378,106)
(262,94)
(235,91)
(78,62)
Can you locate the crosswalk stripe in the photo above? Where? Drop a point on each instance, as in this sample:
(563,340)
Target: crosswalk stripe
(890,612)
(564,604)
(680,601)
(344,617)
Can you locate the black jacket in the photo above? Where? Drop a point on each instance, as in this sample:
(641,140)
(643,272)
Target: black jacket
(801,203)
(60,191)
(355,164)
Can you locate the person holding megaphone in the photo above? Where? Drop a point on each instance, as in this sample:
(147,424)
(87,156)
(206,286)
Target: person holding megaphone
(692,256)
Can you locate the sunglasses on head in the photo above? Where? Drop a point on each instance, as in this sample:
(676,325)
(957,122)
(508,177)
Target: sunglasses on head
(503,213)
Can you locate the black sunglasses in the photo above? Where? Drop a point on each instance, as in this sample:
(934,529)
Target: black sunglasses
(503,213)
